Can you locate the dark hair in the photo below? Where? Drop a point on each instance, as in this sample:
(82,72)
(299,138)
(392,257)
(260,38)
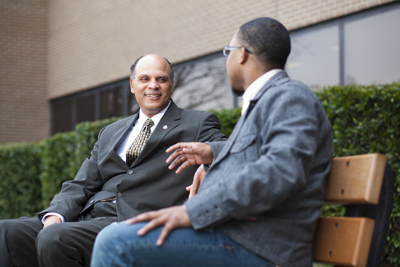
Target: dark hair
(171,74)
(268,39)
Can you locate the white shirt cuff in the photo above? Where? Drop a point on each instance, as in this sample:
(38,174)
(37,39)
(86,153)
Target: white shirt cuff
(52,213)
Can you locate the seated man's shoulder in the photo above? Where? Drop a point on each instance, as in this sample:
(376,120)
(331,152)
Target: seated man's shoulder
(293,89)
(118,124)
(123,121)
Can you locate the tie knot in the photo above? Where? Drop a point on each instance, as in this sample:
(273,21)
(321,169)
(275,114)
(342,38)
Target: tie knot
(149,122)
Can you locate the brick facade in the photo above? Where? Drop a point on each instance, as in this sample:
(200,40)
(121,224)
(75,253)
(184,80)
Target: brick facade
(24,106)
(91,43)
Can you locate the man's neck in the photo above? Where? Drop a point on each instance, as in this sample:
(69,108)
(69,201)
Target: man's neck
(254,71)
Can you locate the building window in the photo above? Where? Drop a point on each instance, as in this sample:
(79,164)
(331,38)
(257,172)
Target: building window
(85,108)
(371,47)
(61,116)
(112,100)
(314,58)
(360,48)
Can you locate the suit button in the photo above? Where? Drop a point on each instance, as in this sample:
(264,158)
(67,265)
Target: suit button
(91,202)
(119,195)
(130,172)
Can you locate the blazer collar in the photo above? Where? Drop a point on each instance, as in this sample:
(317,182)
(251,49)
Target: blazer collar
(275,80)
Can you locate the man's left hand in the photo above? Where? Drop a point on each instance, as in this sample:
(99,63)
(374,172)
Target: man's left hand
(171,218)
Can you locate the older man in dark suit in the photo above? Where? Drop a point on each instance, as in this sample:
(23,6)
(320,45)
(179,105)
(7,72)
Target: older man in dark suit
(125,175)
(259,202)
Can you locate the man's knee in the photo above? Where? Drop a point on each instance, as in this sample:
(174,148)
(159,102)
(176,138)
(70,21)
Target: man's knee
(114,235)
(17,242)
(8,227)
(16,229)
(9,231)
(105,236)
(49,239)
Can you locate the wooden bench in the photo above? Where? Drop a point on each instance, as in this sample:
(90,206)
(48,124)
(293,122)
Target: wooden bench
(365,184)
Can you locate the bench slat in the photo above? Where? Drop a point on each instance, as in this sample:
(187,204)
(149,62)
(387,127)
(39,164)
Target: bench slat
(343,240)
(356,179)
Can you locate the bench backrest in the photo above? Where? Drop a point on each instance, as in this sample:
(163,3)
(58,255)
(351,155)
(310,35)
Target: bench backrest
(365,184)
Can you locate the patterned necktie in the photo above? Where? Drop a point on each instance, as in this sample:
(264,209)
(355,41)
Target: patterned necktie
(139,143)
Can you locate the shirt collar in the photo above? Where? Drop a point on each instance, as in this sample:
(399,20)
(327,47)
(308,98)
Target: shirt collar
(156,118)
(255,87)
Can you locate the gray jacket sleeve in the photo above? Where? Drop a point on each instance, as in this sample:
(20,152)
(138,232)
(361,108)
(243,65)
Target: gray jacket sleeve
(216,147)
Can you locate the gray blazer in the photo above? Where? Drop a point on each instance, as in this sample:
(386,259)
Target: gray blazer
(148,184)
(267,184)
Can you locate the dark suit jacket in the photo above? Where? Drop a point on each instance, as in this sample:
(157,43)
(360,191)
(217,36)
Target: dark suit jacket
(267,184)
(148,184)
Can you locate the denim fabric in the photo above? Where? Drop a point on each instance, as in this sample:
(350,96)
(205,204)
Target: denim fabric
(119,245)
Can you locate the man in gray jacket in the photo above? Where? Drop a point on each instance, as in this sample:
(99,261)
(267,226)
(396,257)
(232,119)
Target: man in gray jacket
(118,180)
(260,200)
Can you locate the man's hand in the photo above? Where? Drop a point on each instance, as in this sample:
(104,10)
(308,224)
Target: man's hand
(188,154)
(52,219)
(197,180)
(173,217)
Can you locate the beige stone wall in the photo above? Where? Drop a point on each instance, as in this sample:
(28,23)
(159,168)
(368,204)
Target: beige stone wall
(94,42)
(24,110)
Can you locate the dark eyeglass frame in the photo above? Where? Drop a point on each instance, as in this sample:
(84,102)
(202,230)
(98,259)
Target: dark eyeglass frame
(227,49)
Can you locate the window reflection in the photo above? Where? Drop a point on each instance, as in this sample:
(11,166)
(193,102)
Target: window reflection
(314,58)
(371,46)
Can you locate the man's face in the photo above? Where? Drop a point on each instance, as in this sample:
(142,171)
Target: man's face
(232,67)
(152,84)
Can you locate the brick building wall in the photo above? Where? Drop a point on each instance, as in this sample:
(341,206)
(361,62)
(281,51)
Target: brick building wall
(24,107)
(93,44)
(54,48)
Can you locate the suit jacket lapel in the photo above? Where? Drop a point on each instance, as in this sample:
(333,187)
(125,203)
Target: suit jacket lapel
(119,136)
(169,121)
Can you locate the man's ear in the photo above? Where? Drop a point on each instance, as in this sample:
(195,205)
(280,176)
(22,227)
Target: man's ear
(243,57)
(132,86)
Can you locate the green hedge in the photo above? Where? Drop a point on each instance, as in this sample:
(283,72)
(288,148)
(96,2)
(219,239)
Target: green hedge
(364,119)
(20,187)
(228,119)
(58,154)
(86,137)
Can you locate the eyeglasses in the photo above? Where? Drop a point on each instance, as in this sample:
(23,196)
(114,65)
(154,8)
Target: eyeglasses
(227,49)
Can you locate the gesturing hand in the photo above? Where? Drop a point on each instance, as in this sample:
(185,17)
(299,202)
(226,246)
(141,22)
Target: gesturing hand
(188,154)
(171,218)
(197,180)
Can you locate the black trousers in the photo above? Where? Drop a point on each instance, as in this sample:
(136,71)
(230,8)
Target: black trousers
(24,242)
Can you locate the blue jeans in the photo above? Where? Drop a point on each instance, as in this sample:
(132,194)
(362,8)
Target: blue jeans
(119,245)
